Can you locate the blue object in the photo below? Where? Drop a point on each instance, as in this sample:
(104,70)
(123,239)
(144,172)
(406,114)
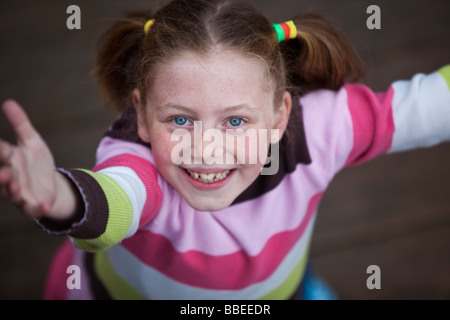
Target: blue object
(315,288)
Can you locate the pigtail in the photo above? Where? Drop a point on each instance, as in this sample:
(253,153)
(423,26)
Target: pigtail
(118,59)
(321,57)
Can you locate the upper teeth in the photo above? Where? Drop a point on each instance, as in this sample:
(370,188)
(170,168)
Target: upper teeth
(209,178)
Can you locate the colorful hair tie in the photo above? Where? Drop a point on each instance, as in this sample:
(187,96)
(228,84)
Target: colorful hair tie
(148,25)
(285,30)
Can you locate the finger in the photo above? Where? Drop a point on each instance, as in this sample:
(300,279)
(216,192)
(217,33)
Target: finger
(19,121)
(6,151)
(14,192)
(34,211)
(6,175)
(11,193)
(44,208)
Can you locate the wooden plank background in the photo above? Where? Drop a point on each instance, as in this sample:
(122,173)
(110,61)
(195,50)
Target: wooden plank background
(393,212)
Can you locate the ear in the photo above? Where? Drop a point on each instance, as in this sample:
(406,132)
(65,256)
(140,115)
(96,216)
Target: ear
(143,131)
(282,117)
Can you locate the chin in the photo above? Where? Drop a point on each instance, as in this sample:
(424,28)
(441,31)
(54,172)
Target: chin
(211,205)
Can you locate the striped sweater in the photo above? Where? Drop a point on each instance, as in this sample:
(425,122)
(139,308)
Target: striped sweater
(137,238)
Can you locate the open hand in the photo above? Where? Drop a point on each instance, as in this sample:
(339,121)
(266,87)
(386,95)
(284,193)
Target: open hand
(28,177)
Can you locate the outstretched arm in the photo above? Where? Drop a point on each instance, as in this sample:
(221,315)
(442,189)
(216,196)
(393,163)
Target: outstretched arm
(28,177)
(95,208)
(355,124)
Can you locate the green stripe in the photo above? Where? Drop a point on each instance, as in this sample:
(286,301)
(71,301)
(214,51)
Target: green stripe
(445,73)
(290,285)
(117,288)
(279,31)
(119,219)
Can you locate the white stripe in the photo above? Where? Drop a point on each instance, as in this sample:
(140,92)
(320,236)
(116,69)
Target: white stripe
(130,183)
(152,284)
(244,226)
(421,109)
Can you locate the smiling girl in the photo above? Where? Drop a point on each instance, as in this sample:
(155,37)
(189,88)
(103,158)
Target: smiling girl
(142,226)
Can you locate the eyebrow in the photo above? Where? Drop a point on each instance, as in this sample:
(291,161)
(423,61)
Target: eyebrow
(166,106)
(184,109)
(242,106)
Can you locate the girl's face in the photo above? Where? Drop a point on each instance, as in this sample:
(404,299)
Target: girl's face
(204,96)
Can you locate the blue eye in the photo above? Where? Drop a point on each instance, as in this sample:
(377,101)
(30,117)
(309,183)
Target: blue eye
(235,122)
(181,121)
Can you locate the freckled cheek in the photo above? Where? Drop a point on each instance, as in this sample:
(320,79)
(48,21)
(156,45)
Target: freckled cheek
(162,148)
(250,149)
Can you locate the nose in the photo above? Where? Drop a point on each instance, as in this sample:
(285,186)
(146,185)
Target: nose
(208,144)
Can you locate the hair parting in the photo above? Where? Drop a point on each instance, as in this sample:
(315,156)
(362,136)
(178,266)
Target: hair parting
(320,57)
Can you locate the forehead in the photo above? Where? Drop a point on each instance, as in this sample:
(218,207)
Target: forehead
(222,78)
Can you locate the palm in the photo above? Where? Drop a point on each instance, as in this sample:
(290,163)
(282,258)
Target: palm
(28,175)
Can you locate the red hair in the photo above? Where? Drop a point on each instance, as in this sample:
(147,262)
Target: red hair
(320,57)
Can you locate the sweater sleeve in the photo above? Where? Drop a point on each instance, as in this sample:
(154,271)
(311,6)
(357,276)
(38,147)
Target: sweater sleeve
(421,111)
(355,124)
(120,194)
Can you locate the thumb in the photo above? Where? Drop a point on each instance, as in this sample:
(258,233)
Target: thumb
(35,211)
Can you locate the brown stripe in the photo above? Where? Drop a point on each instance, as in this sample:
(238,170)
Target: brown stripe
(85,224)
(62,227)
(97,212)
(98,290)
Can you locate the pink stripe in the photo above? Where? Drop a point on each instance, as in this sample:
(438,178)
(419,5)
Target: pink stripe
(56,287)
(373,122)
(147,173)
(247,225)
(225,272)
(85,293)
(110,147)
(329,135)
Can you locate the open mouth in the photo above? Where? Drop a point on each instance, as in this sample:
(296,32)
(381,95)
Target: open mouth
(208,177)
